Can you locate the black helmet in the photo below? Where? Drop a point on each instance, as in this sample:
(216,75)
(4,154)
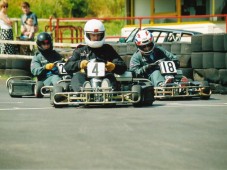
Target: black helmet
(44,38)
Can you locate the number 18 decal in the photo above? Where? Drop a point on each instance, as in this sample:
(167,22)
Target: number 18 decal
(168,67)
(96,69)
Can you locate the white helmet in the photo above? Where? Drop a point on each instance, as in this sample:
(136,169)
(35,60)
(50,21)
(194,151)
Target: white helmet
(94,26)
(145,41)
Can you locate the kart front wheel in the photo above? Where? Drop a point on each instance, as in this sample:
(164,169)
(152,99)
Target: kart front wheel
(137,96)
(205,91)
(37,89)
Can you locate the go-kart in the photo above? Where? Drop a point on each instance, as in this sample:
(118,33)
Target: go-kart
(178,88)
(100,91)
(19,86)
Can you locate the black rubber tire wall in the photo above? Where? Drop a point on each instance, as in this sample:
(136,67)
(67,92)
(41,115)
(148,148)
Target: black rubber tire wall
(218,42)
(207,42)
(196,43)
(186,48)
(2,63)
(176,48)
(208,59)
(185,60)
(223,76)
(197,60)
(219,60)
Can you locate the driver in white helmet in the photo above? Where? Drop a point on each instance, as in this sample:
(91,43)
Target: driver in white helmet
(148,52)
(94,35)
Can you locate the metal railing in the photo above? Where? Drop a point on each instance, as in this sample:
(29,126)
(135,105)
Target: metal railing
(77,32)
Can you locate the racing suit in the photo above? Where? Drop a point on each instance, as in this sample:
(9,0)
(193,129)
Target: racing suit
(139,63)
(105,53)
(38,63)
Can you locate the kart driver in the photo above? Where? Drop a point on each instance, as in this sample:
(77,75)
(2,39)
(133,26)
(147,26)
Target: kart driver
(42,64)
(94,35)
(148,52)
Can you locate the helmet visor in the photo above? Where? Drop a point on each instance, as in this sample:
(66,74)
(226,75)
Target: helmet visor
(147,47)
(95,36)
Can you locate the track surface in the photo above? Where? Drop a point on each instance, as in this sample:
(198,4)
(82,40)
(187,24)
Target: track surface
(171,135)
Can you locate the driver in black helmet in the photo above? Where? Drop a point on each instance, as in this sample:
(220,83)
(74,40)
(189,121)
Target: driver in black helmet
(42,64)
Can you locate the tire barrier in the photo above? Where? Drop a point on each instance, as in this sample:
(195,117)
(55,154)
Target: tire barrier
(166,45)
(17,72)
(185,60)
(196,43)
(223,76)
(212,48)
(218,42)
(208,60)
(197,60)
(207,42)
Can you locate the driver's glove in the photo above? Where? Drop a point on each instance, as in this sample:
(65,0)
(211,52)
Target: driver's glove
(83,64)
(149,67)
(49,66)
(110,66)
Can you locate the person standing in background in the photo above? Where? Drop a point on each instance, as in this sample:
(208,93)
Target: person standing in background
(28,30)
(6,29)
(25,6)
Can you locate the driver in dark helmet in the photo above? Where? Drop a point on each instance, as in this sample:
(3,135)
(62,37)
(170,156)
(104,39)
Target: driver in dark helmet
(148,52)
(42,64)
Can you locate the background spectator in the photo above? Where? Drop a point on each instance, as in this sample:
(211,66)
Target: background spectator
(6,29)
(25,6)
(28,30)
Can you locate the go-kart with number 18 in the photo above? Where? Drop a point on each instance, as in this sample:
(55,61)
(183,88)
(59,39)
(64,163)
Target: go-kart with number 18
(179,86)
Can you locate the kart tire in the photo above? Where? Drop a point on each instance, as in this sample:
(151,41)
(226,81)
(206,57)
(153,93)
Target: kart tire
(105,84)
(206,90)
(176,48)
(87,85)
(166,45)
(208,60)
(2,63)
(57,89)
(37,89)
(197,60)
(10,89)
(223,77)
(219,60)
(135,97)
(218,42)
(196,42)
(186,48)
(207,42)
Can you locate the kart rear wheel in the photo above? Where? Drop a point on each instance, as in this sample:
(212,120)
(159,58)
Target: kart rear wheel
(136,96)
(37,89)
(58,98)
(10,89)
(206,90)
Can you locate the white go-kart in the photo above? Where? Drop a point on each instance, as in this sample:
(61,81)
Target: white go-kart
(99,90)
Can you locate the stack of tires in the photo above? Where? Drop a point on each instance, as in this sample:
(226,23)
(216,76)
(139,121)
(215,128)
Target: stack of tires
(15,67)
(183,52)
(209,60)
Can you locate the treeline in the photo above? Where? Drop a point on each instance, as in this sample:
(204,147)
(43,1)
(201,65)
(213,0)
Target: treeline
(70,8)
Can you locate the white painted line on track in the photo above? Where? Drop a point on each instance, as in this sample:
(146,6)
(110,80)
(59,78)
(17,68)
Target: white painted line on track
(10,102)
(17,108)
(195,105)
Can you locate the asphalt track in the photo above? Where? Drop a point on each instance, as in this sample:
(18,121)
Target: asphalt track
(170,135)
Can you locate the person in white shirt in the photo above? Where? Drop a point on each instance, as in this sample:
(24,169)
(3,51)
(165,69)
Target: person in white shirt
(6,29)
